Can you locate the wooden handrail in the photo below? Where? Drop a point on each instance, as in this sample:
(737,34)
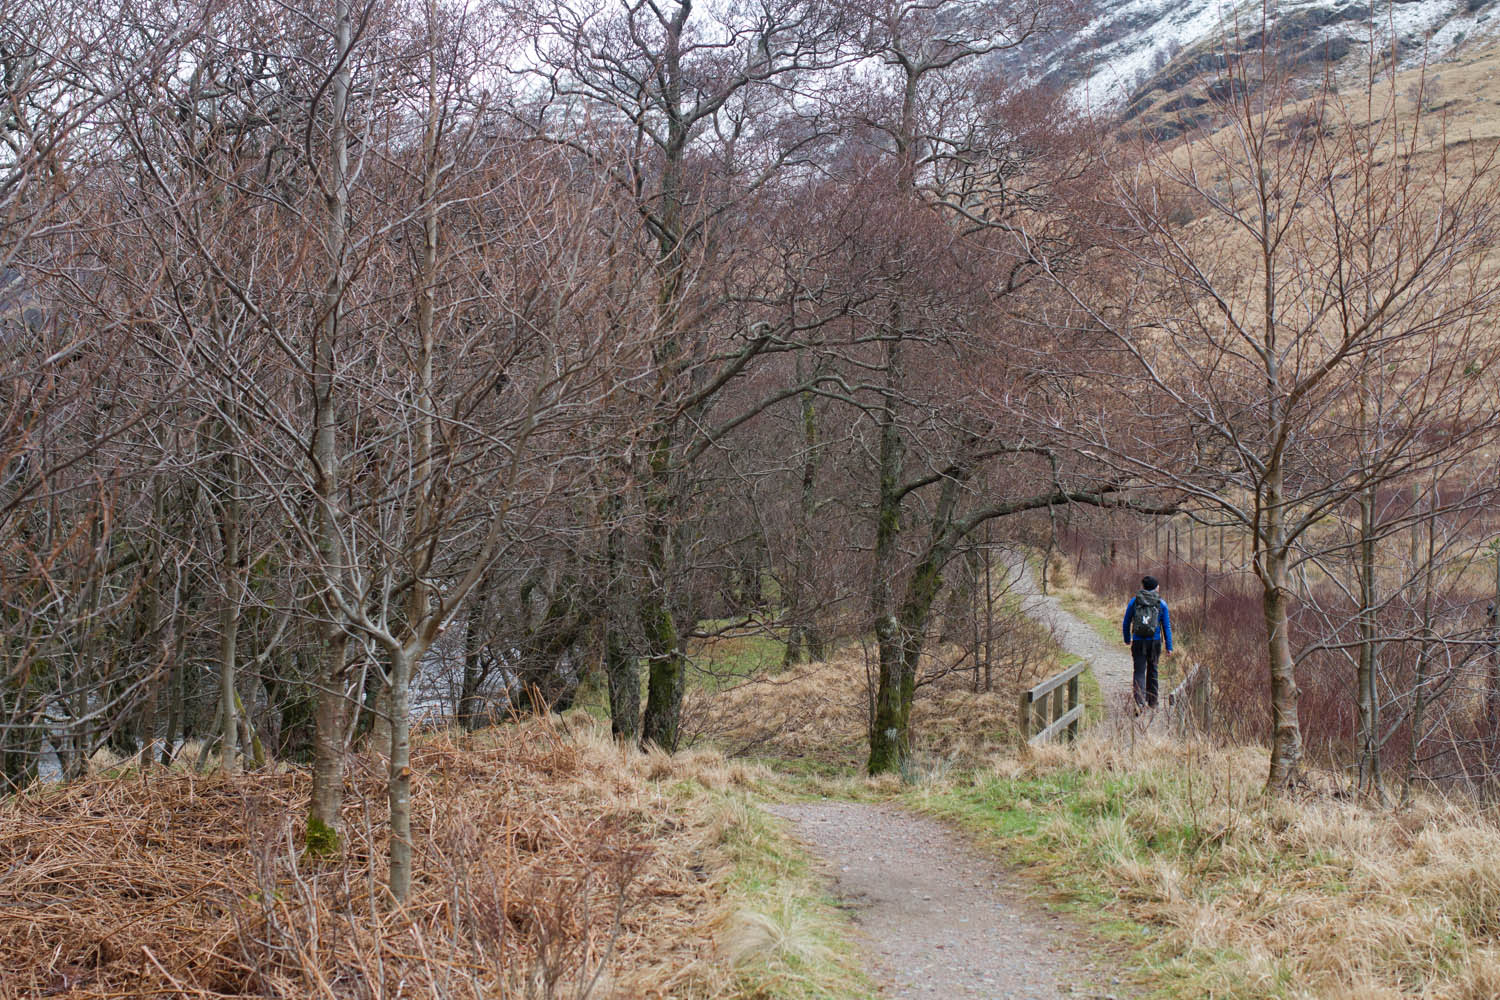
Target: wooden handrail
(1057,680)
(1035,726)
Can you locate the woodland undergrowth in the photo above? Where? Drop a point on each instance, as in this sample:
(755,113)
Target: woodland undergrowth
(550,864)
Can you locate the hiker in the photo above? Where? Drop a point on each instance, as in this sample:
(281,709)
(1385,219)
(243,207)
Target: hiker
(1146,623)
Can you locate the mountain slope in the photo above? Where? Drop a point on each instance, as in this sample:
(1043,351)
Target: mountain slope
(1129,50)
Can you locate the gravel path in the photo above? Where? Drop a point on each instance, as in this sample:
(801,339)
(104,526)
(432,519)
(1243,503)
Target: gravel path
(939,920)
(1110,661)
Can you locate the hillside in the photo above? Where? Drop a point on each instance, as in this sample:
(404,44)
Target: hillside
(1132,55)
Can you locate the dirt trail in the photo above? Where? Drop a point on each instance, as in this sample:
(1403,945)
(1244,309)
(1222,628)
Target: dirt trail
(1110,660)
(938,919)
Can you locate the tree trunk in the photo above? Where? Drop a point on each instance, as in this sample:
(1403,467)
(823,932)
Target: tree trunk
(380,714)
(151,645)
(817,642)
(890,729)
(1367,673)
(1492,685)
(229,614)
(474,672)
(888,724)
(1286,733)
(799,599)
(666,675)
(1419,693)
(177,688)
(229,623)
(793,653)
(400,775)
(330,724)
(666,665)
(901,647)
(623,676)
(328,745)
(901,642)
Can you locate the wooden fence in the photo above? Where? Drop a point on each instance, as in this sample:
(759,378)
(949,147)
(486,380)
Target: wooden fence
(1190,704)
(1045,713)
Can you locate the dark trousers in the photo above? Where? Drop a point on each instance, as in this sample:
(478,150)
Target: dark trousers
(1145,653)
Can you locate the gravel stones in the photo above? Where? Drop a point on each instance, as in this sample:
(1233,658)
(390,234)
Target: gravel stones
(938,919)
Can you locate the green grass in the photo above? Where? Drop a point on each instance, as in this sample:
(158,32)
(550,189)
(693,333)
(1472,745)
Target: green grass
(1088,689)
(1108,628)
(802,767)
(725,660)
(714,664)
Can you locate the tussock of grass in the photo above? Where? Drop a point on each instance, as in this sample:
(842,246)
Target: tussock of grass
(1244,895)
(775,932)
(783,936)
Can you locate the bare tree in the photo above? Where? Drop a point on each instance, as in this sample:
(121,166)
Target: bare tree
(690,111)
(958,159)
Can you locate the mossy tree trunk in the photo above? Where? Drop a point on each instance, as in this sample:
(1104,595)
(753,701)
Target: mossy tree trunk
(621,671)
(902,636)
(332,671)
(889,738)
(666,664)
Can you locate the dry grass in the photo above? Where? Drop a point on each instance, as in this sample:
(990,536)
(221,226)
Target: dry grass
(545,858)
(815,717)
(1249,896)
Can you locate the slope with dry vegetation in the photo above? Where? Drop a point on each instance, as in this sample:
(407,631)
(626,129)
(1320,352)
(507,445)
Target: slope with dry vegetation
(549,864)
(815,717)
(1227,892)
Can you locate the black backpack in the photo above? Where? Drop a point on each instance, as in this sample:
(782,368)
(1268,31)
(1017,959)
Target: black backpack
(1145,618)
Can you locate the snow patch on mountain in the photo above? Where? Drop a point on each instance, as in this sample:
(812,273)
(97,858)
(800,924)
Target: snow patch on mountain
(1126,44)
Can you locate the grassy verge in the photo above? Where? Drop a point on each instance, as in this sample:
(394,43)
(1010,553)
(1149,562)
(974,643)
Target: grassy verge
(769,929)
(1219,891)
(786,937)
(1088,690)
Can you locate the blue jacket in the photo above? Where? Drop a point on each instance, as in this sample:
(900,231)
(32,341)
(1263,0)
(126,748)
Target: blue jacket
(1162,630)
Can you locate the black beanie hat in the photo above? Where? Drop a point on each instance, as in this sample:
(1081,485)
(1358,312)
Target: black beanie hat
(1148,582)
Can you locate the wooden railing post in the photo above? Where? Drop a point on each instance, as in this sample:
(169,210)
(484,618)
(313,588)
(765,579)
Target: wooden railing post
(1052,707)
(1072,703)
(1190,705)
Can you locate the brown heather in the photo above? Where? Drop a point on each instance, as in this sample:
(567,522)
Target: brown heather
(541,856)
